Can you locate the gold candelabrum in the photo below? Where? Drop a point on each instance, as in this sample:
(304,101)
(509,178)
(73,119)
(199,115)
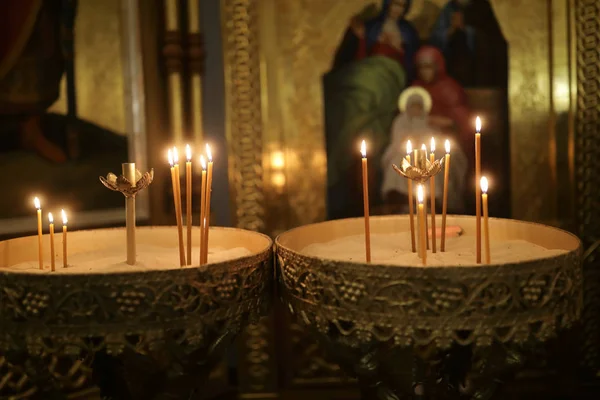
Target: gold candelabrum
(422,170)
(439,330)
(60,330)
(129,184)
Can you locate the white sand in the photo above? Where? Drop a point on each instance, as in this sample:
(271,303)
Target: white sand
(396,249)
(148,258)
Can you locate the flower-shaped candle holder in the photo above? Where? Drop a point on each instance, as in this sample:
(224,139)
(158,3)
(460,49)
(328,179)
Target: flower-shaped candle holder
(129,184)
(421,173)
(125,186)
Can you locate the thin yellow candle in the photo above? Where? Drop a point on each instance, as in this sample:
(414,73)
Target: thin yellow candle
(422,219)
(423,161)
(445,196)
(188,201)
(411,210)
(365,178)
(432,197)
(64,237)
(202,208)
(52,261)
(38,205)
(129,172)
(486,225)
(177,204)
(209,177)
(478,188)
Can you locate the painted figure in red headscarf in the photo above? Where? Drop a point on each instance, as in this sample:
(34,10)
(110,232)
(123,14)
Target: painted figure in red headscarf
(449,112)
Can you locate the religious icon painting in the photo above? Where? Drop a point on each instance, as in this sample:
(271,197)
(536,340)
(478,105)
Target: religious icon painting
(65,110)
(455,53)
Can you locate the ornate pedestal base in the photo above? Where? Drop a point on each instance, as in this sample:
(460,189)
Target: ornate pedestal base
(430,331)
(136,335)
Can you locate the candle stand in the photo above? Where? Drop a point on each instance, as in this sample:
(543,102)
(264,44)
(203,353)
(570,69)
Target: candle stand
(136,334)
(430,332)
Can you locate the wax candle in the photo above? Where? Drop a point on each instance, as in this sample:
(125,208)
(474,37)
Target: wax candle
(129,172)
(51,225)
(423,162)
(177,204)
(64,237)
(486,227)
(202,208)
(410,201)
(445,196)
(365,179)
(478,188)
(421,217)
(188,201)
(432,197)
(209,178)
(38,206)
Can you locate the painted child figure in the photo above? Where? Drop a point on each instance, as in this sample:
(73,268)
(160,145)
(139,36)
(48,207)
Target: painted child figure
(414,124)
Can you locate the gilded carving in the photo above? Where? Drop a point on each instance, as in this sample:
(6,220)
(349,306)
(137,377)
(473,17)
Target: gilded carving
(587,19)
(243,111)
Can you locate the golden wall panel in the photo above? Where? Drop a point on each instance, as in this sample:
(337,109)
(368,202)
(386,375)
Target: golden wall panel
(98,66)
(299,48)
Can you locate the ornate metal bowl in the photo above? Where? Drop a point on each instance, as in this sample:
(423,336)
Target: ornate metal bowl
(157,331)
(372,317)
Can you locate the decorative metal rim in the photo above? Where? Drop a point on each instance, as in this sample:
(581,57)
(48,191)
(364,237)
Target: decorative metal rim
(474,269)
(420,305)
(34,305)
(256,257)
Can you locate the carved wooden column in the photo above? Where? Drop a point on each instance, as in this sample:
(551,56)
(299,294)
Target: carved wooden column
(587,152)
(195,56)
(173,53)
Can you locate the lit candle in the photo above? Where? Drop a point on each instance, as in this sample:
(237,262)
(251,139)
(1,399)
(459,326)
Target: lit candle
(209,177)
(423,160)
(486,228)
(64,237)
(421,218)
(432,197)
(51,221)
(177,203)
(411,210)
(188,201)
(38,206)
(202,209)
(478,188)
(445,196)
(365,176)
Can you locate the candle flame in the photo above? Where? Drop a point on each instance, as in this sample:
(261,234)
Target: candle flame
(170,157)
(36,203)
(423,147)
(175,155)
(203,162)
(478,125)
(447,146)
(64,217)
(188,152)
(484,184)
(208,153)
(50,218)
(432,145)
(420,194)
(363,149)
(409,148)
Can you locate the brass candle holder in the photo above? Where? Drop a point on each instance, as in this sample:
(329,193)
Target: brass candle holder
(422,171)
(129,184)
(400,329)
(60,330)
